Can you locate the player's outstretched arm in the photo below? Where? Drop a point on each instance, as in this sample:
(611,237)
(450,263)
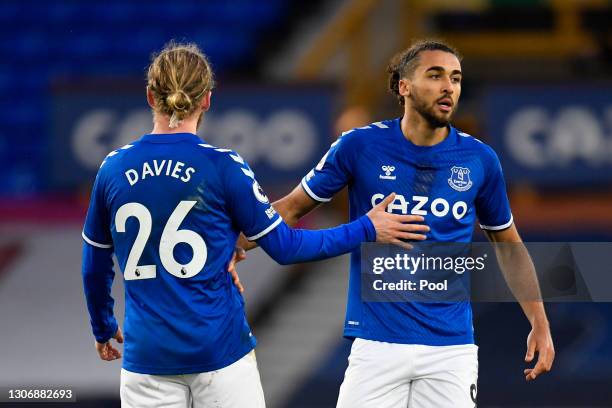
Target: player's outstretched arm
(287,245)
(291,207)
(250,210)
(297,204)
(519,273)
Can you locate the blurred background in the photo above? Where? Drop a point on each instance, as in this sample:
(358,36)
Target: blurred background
(292,75)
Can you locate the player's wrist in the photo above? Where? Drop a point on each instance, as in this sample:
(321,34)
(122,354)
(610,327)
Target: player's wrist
(105,335)
(370,230)
(539,321)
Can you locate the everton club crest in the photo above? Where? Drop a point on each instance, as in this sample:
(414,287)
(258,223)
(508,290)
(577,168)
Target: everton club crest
(460,178)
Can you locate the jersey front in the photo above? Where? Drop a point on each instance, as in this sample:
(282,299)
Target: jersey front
(171,207)
(450,184)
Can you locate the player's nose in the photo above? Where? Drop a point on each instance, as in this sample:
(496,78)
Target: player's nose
(447,86)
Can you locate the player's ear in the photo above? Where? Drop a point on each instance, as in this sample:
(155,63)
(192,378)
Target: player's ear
(150,99)
(404,87)
(205,104)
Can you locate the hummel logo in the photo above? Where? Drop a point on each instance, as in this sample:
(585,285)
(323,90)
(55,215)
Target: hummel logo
(388,170)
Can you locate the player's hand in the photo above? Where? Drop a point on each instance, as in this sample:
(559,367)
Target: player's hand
(393,228)
(540,341)
(106,351)
(239,255)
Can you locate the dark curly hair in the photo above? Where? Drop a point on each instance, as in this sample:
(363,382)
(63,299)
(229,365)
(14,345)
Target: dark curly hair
(404,63)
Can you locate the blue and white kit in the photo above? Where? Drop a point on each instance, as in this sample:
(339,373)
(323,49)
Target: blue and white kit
(171,207)
(450,184)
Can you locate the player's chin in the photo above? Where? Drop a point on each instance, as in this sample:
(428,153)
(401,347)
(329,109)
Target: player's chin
(443,119)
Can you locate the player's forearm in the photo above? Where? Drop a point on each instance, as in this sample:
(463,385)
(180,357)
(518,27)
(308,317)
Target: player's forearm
(518,270)
(97,272)
(283,208)
(294,206)
(286,245)
(534,310)
(520,275)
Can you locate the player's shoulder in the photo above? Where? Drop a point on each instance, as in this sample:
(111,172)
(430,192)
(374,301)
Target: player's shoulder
(470,142)
(220,155)
(226,160)
(116,156)
(367,134)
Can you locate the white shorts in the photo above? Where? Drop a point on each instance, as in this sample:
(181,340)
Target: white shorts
(235,386)
(391,375)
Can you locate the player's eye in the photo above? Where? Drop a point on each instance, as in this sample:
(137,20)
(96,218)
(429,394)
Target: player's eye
(456,80)
(435,76)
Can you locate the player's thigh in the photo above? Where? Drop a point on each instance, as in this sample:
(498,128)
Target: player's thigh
(450,382)
(150,391)
(376,377)
(235,386)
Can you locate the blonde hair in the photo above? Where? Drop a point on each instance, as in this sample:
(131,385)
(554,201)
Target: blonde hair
(179,77)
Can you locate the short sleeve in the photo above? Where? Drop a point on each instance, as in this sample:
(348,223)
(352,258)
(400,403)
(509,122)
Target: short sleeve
(247,203)
(492,205)
(96,231)
(332,173)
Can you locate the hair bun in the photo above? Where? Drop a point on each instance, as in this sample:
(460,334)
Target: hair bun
(179,101)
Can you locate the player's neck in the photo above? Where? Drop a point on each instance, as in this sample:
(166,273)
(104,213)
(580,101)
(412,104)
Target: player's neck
(416,129)
(161,125)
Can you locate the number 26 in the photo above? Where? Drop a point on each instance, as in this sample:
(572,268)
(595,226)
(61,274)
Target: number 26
(171,236)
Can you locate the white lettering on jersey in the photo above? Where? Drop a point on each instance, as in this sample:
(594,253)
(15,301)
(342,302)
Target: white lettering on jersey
(435,207)
(271,212)
(157,169)
(146,170)
(420,202)
(459,205)
(188,173)
(132,176)
(439,207)
(178,167)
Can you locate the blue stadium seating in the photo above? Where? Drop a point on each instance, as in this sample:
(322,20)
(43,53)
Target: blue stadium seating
(45,40)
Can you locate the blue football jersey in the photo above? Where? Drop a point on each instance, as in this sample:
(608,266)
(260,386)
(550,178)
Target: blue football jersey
(450,184)
(171,207)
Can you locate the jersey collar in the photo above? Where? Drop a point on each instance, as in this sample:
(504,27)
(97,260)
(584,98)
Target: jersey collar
(170,138)
(449,140)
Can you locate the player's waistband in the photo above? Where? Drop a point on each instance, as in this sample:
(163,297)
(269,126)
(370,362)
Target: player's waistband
(352,333)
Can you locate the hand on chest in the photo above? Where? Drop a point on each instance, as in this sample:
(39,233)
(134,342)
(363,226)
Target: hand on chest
(437,191)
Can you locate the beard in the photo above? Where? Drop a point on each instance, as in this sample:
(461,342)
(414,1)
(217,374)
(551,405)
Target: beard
(433,118)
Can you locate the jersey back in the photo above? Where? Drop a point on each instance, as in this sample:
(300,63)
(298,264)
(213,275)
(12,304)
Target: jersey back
(171,207)
(450,184)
